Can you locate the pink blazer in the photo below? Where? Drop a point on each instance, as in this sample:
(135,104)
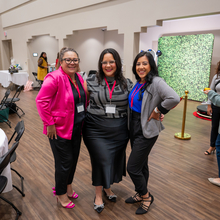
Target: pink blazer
(55,103)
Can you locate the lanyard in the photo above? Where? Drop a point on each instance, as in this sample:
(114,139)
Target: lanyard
(76,86)
(110,91)
(134,93)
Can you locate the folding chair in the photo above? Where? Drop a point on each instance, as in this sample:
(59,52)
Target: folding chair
(19,129)
(10,102)
(4,161)
(4,110)
(37,80)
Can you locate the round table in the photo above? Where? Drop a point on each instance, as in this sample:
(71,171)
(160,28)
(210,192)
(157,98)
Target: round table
(7,171)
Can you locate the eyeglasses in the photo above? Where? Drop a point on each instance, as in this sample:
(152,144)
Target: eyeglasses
(105,63)
(69,61)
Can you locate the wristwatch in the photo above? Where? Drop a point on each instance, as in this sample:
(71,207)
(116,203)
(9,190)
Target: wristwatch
(156,110)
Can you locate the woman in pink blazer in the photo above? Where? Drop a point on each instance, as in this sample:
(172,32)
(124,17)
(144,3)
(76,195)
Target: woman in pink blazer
(61,104)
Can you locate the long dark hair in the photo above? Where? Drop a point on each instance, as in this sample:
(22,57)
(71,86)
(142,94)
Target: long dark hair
(41,56)
(153,72)
(118,75)
(217,71)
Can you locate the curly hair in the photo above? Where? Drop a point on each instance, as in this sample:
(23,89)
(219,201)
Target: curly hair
(66,49)
(149,77)
(118,75)
(60,55)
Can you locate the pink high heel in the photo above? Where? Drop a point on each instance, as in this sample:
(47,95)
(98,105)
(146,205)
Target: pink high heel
(69,206)
(74,196)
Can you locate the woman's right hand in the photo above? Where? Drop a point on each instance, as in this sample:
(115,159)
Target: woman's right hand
(209,110)
(51,132)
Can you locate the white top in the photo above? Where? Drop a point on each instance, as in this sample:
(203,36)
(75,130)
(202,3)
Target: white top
(19,78)
(4,149)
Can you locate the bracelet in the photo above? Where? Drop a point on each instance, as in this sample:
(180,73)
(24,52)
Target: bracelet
(156,110)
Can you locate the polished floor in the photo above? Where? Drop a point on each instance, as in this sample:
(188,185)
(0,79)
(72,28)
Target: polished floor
(178,174)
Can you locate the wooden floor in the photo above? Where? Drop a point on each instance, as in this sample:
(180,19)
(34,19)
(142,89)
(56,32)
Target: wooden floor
(178,174)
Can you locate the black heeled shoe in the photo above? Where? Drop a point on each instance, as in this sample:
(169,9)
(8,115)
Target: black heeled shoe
(144,208)
(112,198)
(99,208)
(134,199)
(212,151)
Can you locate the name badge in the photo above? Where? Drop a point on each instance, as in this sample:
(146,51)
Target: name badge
(80,107)
(110,108)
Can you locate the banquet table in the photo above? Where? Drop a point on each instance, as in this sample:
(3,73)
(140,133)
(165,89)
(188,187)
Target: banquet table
(7,171)
(19,78)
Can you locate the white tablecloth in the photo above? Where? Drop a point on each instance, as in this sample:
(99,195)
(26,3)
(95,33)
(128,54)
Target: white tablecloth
(3,149)
(19,78)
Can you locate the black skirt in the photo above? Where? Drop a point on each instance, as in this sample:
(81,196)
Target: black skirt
(106,140)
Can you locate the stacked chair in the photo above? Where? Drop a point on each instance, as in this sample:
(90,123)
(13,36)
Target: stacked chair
(19,130)
(4,109)
(11,102)
(4,161)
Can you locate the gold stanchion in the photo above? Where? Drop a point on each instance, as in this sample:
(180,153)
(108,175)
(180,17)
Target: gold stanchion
(182,135)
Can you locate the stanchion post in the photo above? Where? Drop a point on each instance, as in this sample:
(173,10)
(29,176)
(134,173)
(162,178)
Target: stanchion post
(182,135)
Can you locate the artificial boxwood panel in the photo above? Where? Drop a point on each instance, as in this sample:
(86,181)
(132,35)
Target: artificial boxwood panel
(185,63)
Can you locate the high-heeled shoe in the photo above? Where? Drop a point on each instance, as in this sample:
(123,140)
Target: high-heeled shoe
(68,206)
(208,153)
(99,208)
(74,196)
(112,198)
(144,208)
(134,199)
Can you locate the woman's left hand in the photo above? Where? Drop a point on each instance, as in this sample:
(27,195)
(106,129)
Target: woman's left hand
(154,115)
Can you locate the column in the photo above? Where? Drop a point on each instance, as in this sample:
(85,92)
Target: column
(131,49)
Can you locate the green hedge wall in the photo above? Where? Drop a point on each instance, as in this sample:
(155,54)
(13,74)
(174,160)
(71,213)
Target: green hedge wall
(185,63)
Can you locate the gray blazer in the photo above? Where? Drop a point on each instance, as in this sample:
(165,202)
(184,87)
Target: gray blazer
(164,98)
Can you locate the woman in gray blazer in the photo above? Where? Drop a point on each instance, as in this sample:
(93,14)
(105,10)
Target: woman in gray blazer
(149,98)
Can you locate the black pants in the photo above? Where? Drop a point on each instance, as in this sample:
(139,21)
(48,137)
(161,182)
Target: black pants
(66,153)
(215,124)
(138,161)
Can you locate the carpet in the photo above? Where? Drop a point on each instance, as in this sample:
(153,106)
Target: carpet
(198,116)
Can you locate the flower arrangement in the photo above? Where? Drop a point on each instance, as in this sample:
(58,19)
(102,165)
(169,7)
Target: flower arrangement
(14,68)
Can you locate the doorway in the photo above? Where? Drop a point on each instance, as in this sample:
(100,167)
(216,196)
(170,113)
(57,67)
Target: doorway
(7,54)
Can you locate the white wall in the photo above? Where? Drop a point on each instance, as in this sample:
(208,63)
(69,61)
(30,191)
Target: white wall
(90,43)
(115,41)
(38,45)
(8,5)
(128,17)
(35,10)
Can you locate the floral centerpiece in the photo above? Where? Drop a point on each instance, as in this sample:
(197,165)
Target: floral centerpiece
(14,68)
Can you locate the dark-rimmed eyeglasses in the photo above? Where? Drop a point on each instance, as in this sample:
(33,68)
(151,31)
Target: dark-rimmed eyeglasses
(69,61)
(106,63)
